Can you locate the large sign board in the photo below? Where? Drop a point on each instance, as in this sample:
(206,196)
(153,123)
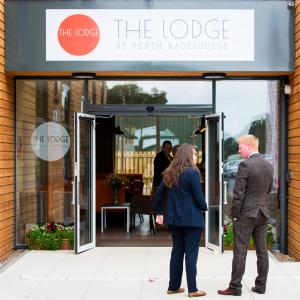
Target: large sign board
(149,35)
(142,35)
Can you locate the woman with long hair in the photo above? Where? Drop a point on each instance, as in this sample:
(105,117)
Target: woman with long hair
(185,203)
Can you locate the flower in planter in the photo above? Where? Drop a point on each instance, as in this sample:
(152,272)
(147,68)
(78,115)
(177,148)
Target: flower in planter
(67,233)
(115,181)
(51,227)
(49,236)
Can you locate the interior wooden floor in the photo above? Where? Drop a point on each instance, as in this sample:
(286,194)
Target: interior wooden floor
(115,234)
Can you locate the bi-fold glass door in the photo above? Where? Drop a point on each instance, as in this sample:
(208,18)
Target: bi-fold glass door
(214,191)
(84,182)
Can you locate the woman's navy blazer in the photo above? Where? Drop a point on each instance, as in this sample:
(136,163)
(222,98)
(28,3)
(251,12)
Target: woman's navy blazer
(185,202)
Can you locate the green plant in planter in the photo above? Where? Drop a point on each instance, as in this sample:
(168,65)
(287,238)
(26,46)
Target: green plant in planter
(270,236)
(66,233)
(228,236)
(49,236)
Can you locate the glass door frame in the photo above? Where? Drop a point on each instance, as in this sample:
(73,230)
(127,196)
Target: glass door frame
(283,78)
(220,247)
(92,213)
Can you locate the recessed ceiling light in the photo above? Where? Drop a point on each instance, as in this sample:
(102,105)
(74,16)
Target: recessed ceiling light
(82,75)
(214,75)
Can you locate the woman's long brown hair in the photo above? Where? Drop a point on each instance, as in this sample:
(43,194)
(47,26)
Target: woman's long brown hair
(182,160)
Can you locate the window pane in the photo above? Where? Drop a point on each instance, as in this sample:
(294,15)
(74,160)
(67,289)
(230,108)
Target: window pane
(250,107)
(85,149)
(44,184)
(213,188)
(150,92)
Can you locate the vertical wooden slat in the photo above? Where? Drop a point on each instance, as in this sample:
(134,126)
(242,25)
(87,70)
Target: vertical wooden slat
(6,153)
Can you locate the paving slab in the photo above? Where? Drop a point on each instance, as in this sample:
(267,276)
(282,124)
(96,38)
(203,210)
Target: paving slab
(134,273)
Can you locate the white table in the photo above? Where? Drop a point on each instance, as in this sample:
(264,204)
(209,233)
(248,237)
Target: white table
(122,206)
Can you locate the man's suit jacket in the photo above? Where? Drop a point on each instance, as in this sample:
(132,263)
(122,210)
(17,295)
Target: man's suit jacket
(161,162)
(185,202)
(253,182)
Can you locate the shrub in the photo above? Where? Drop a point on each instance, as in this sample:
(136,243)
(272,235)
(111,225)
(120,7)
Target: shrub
(228,234)
(49,236)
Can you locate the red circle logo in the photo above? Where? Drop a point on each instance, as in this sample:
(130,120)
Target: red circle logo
(78,34)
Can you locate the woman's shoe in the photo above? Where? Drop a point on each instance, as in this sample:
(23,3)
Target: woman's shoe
(180,290)
(196,294)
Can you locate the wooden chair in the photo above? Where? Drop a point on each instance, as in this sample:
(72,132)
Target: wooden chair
(140,204)
(134,188)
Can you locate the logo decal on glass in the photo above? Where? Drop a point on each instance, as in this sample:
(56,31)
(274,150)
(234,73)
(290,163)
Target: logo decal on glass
(50,141)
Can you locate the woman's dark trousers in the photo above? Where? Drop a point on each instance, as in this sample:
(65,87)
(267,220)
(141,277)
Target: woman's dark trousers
(186,242)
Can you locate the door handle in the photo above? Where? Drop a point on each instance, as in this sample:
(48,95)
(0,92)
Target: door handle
(225,192)
(73,192)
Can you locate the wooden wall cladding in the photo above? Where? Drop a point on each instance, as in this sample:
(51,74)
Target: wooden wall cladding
(6,152)
(294,149)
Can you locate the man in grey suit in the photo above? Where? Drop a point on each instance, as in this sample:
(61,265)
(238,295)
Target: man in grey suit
(250,215)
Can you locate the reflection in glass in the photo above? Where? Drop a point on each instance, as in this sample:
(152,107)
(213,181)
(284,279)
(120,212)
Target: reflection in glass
(250,107)
(85,182)
(150,92)
(213,182)
(44,188)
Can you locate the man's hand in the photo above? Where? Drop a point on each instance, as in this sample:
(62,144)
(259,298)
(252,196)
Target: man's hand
(159,219)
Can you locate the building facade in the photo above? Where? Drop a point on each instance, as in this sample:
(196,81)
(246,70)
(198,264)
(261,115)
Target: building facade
(38,85)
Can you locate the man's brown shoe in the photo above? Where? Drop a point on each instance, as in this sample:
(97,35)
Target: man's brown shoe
(180,290)
(258,290)
(230,292)
(196,294)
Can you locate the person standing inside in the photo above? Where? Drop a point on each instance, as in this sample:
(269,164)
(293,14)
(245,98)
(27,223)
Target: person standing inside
(161,162)
(183,215)
(250,215)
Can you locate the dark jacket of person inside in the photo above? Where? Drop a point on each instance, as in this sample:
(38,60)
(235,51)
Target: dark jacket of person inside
(161,162)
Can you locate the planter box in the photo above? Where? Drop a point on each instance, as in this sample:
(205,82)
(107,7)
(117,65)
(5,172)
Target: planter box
(66,245)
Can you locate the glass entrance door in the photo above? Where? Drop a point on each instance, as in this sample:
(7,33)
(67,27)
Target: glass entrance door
(84,178)
(214,181)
